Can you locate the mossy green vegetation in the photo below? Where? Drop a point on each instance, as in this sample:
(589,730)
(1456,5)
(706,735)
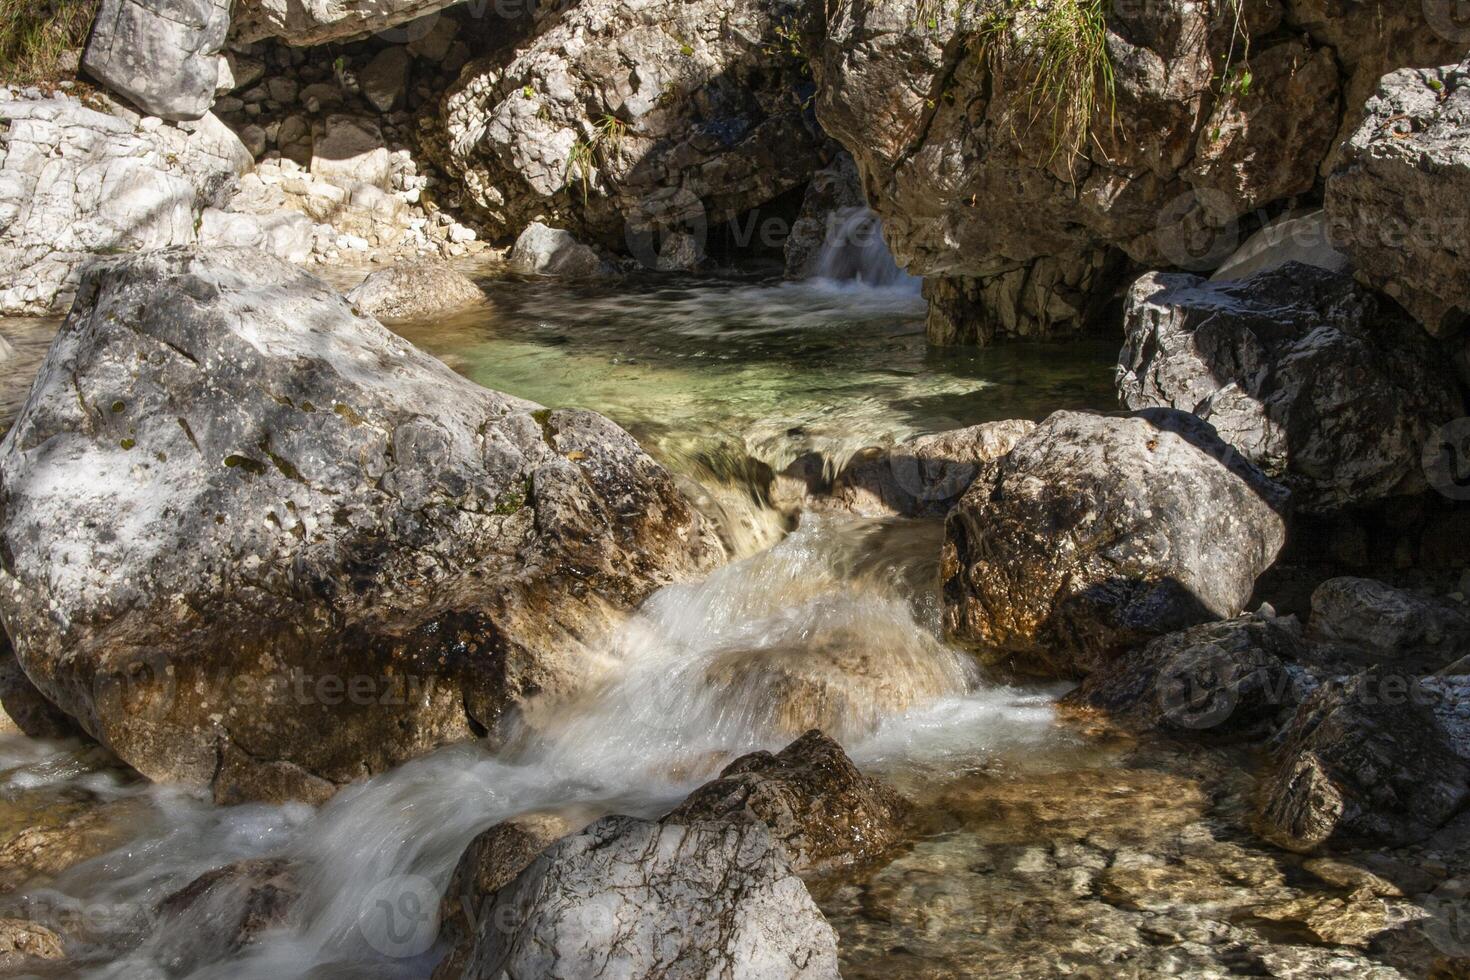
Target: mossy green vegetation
(35,36)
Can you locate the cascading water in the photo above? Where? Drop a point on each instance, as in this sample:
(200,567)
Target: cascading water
(854,250)
(832,624)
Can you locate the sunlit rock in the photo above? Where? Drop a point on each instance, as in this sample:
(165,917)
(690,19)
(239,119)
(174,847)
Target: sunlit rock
(1097,533)
(255,541)
(414,289)
(641,900)
(815,801)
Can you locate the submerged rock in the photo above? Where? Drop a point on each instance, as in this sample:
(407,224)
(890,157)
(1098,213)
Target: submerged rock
(815,801)
(640,900)
(1097,533)
(255,541)
(1399,194)
(545,251)
(222,911)
(924,477)
(1305,372)
(414,289)
(1363,760)
(1231,678)
(163,56)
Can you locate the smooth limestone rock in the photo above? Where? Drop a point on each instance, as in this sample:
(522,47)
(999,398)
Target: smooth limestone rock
(160,55)
(1304,238)
(1399,194)
(814,800)
(1309,375)
(1097,533)
(544,251)
(1390,624)
(627,123)
(287,234)
(1231,678)
(350,150)
(1364,760)
(414,289)
(76,182)
(924,476)
(640,900)
(255,541)
(383,79)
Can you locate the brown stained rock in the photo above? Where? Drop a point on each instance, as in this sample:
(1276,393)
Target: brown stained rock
(299,551)
(1351,921)
(811,796)
(24,943)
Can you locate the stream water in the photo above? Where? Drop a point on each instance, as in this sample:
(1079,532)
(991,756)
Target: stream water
(819,621)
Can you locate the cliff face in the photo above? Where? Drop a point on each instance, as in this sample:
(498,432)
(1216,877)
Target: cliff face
(1010,149)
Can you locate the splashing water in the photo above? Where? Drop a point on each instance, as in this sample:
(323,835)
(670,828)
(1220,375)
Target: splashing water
(834,624)
(855,250)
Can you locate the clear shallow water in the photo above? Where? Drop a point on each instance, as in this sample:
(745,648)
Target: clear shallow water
(834,624)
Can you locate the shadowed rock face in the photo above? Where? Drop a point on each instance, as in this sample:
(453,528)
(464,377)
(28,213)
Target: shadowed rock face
(312,22)
(816,802)
(1314,379)
(1228,679)
(1399,194)
(1099,532)
(255,541)
(615,114)
(636,899)
(1365,760)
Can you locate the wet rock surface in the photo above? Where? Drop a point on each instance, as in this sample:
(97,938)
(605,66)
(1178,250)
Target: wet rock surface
(1310,376)
(1099,532)
(222,911)
(638,899)
(814,800)
(924,477)
(219,439)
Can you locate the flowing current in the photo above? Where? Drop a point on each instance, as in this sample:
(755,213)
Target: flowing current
(820,621)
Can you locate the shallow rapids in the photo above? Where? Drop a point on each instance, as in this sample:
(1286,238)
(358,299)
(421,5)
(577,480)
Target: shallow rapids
(824,622)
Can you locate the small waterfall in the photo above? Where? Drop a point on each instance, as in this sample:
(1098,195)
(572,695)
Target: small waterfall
(854,251)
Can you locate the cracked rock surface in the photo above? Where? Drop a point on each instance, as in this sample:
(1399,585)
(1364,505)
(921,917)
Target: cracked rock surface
(635,899)
(255,541)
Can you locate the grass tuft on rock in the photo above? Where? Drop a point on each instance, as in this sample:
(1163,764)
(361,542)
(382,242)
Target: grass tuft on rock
(37,35)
